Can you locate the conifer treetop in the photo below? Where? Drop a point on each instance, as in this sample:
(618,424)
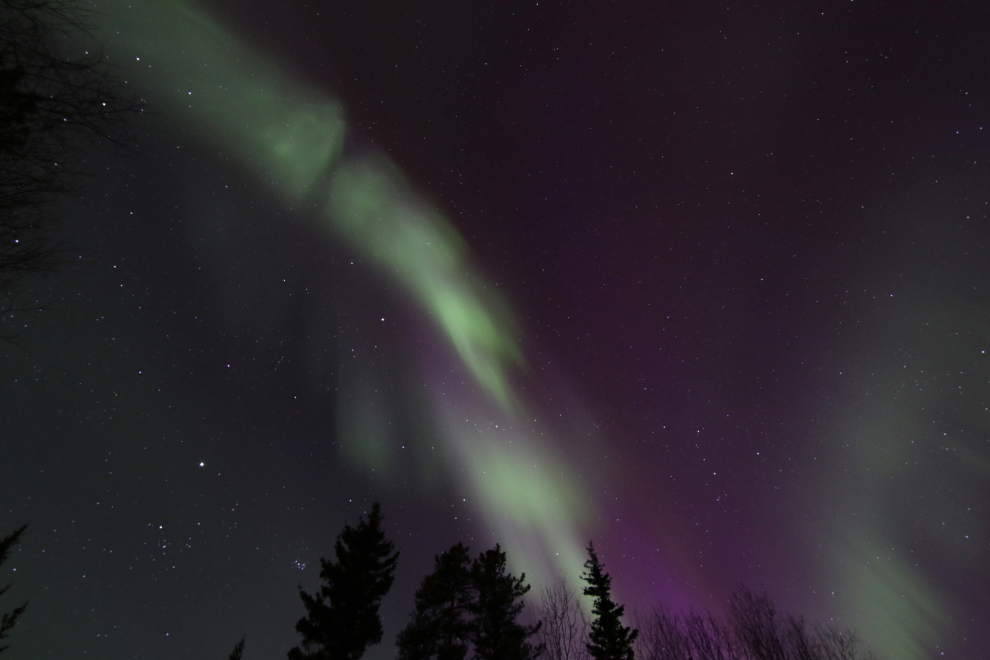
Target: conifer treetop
(608,638)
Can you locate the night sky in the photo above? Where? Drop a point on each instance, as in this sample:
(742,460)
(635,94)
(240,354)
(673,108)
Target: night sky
(707,283)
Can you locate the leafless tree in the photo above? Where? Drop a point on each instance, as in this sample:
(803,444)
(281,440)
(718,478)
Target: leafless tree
(753,629)
(710,638)
(59,97)
(756,626)
(662,636)
(763,634)
(835,644)
(565,628)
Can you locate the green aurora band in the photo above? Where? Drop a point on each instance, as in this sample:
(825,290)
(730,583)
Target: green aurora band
(290,137)
(900,527)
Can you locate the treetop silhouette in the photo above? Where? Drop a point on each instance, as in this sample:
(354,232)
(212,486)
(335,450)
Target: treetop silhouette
(608,639)
(342,618)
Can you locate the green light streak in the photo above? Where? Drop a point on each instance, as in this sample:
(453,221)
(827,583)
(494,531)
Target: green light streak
(371,208)
(894,604)
(287,133)
(524,498)
(908,503)
(290,136)
(363,421)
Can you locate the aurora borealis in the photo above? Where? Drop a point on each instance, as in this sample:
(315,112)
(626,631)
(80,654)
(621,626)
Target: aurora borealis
(707,284)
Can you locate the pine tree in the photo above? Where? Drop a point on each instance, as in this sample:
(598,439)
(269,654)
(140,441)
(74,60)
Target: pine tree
(238,651)
(496,633)
(609,639)
(439,629)
(9,619)
(342,617)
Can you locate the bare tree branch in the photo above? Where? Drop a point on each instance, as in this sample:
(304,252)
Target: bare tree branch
(9,619)
(752,630)
(59,97)
(662,636)
(565,628)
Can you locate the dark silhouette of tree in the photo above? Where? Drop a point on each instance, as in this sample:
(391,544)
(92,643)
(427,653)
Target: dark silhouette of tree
(836,644)
(710,638)
(342,618)
(497,635)
(752,630)
(565,627)
(761,633)
(440,628)
(238,651)
(58,96)
(608,639)
(465,604)
(661,637)
(9,619)
(756,625)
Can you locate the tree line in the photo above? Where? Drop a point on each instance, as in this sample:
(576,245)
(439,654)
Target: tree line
(54,103)
(465,606)
(473,606)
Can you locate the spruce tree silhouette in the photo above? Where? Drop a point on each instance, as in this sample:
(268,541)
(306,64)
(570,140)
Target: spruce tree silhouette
(496,633)
(609,639)
(342,618)
(439,629)
(238,651)
(10,618)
